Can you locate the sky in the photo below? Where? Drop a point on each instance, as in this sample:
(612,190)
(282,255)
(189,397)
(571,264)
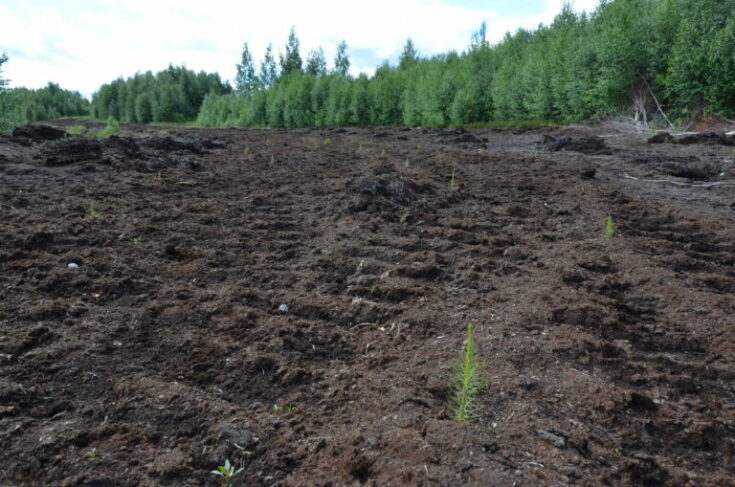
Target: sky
(82,44)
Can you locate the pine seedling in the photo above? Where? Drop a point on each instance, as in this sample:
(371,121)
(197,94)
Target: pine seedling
(467,384)
(93,213)
(452,180)
(610,230)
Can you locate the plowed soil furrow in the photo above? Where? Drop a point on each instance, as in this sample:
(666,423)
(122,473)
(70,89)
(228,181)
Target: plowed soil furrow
(295,301)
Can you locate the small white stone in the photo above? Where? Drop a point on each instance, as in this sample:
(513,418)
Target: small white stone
(72,265)
(283,308)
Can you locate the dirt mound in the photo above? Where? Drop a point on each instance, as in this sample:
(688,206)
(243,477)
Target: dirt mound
(662,137)
(73,151)
(587,145)
(462,137)
(171,144)
(39,132)
(99,151)
(394,188)
(148,154)
(692,169)
(712,138)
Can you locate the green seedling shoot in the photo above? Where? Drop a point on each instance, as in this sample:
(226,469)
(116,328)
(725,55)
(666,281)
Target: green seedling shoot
(93,213)
(92,455)
(227,472)
(452,179)
(467,383)
(610,231)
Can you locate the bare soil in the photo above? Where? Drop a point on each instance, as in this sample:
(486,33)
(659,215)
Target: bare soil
(167,349)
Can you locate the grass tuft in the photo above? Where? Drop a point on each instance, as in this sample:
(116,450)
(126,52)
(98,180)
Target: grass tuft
(76,130)
(112,128)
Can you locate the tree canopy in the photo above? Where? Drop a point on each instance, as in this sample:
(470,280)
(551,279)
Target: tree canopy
(627,57)
(172,95)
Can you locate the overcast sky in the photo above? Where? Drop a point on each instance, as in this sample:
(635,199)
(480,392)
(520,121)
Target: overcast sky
(82,44)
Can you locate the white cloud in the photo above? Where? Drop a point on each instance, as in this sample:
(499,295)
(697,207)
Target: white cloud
(84,47)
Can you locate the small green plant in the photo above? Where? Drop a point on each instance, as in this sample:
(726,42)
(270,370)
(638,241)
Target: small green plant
(93,213)
(382,153)
(452,180)
(76,130)
(277,409)
(273,160)
(159,176)
(247,150)
(610,230)
(92,455)
(136,240)
(227,472)
(407,163)
(112,128)
(327,141)
(467,383)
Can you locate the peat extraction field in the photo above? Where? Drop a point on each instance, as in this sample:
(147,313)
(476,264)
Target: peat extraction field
(295,302)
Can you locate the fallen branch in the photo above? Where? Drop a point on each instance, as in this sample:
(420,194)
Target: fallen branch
(678,183)
(658,105)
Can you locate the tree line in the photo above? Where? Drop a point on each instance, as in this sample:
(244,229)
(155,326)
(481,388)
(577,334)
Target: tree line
(20,105)
(172,95)
(643,58)
(652,59)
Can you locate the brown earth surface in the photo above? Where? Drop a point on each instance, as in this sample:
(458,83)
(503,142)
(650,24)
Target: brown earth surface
(608,362)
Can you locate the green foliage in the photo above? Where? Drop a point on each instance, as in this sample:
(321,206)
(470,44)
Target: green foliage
(246,81)
(175,94)
(76,130)
(467,383)
(21,105)
(287,409)
(112,128)
(316,63)
(92,455)
(5,107)
(409,55)
(268,70)
(227,472)
(341,61)
(610,230)
(626,58)
(291,61)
